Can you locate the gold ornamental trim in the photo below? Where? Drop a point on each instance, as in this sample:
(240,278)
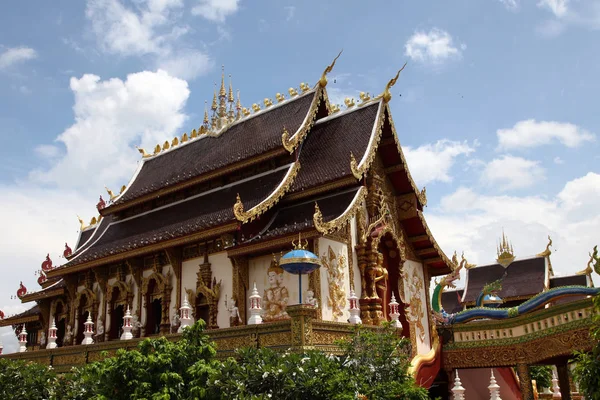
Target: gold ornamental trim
(42,295)
(230,227)
(342,220)
(270,201)
(359,169)
(434,243)
(20,320)
(422,359)
(291,143)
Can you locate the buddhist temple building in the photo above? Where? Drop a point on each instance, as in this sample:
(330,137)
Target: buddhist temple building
(200,230)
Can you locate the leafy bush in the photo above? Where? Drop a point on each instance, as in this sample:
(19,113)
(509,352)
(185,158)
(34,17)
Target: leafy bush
(587,369)
(25,380)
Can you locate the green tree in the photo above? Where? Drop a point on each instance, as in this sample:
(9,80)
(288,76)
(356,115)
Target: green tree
(587,368)
(542,375)
(373,364)
(21,380)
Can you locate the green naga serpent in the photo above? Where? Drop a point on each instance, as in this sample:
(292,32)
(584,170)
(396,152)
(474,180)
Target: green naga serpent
(448,281)
(532,304)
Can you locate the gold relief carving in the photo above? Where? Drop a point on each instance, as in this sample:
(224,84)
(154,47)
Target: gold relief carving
(326,337)
(240,282)
(235,342)
(301,325)
(335,266)
(342,220)
(162,291)
(69,359)
(270,201)
(415,312)
(276,296)
(314,282)
(274,339)
(175,257)
(407,206)
(529,352)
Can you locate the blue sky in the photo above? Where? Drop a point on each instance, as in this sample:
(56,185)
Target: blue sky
(496,110)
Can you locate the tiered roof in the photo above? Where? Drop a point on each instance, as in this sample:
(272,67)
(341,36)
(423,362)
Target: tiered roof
(203,185)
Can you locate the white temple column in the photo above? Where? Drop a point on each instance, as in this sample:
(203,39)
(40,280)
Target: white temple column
(494,388)
(255,308)
(458,390)
(88,331)
(127,326)
(354,309)
(23,340)
(185,316)
(52,336)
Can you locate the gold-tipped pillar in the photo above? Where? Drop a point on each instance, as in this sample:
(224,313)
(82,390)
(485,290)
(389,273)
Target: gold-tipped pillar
(302,316)
(525,381)
(563,381)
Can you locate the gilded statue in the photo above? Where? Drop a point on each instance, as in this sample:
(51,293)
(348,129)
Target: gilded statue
(275,298)
(335,267)
(377,277)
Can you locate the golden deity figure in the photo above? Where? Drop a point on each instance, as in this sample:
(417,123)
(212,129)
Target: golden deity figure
(378,276)
(275,298)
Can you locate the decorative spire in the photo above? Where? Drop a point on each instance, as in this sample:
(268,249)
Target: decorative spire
(214,101)
(458,390)
(222,92)
(23,340)
(387,95)
(230,97)
(206,121)
(127,326)
(494,388)
(255,307)
(505,252)
(323,80)
(88,331)
(238,107)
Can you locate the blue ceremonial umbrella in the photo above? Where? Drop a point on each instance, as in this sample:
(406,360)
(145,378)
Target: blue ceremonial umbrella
(299,262)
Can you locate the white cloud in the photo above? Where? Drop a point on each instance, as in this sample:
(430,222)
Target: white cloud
(291,11)
(531,133)
(558,160)
(432,162)
(15,55)
(153,27)
(511,5)
(110,117)
(467,220)
(433,47)
(558,7)
(215,10)
(509,172)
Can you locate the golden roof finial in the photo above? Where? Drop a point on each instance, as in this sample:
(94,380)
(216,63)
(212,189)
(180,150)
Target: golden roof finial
(387,96)
(238,107)
(222,92)
(82,225)
(349,102)
(143,152)
(323,80)
(230,98)
(206,120)
(293,92)
(505,251)
(214,102)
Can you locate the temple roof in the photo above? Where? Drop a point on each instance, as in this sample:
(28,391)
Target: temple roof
(570,280)
(55,289)
(521,279)
(244,140)
(193,215)
(452,300)
(33,314)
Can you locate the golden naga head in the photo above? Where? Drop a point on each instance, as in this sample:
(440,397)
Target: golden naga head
(349,102)
(364,96)
(304,87)
(268,102)
(255,107)
(245,111)
(293,92)
(279,97)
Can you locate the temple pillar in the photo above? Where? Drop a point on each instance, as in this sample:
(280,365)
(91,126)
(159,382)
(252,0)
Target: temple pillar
(302,316)
(563,380)
(525,381)
(175,257)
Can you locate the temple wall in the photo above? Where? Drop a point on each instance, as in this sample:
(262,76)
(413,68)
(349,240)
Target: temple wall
(335,280)
(354,266)
(222,270)
(414,290)
(257,272)
(143,313)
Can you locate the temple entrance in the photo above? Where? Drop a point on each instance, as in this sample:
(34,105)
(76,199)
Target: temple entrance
(60,332)
(202,308)
(116,322)
(388,248)
(81,327)
(153,309)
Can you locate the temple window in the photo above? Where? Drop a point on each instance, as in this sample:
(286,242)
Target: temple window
(153,308)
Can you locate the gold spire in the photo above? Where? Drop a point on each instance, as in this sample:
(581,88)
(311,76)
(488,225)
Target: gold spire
(506,254)
(238,107)
(230,97)
(323,80)
(222,92)
(214,102)
(206,120)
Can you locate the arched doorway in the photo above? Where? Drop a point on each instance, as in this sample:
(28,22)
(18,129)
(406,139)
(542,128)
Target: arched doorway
(153,308)
(60,319)
(391,259)
(202,308)
(117,313)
